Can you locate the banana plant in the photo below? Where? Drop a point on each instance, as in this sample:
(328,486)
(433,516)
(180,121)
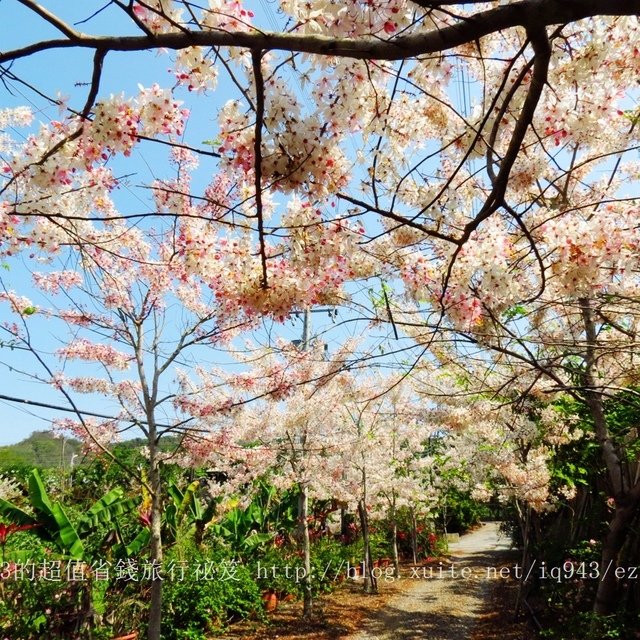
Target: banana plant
(183,511)
(247,529)
(238,529)
(50,522)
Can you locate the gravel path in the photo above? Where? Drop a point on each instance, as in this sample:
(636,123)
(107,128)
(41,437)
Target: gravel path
(442,602)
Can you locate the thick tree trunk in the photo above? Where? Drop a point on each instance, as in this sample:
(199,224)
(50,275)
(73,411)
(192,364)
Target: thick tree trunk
(624,490)
(607,595)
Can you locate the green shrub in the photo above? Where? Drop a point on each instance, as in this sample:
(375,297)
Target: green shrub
(208,592)
(281,569)
(462,511)
(328,560)
(589,626)
(277,569)
(34,607)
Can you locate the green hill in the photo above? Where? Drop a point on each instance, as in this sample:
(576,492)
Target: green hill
(41,449)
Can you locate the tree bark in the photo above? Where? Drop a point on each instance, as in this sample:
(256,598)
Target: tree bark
(414,536)
(303,519)
(155,610)
(625,490)
(607,594)
(394,538)
(528,13)
(370,581)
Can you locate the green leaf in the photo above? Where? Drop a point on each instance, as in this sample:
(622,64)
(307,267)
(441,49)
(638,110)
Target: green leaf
(171,521)
(221,530)
(108,500)
(190,501)
(255,540)
(138,543)
(38,494)
(54,519)
(176,495)
(518,311)
(40,621)
(67,536)
(14,514)
(105,510)
(98,592)
(632,116)
(19,556)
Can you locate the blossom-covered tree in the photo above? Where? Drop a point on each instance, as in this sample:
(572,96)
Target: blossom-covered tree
(385,459)
(515,367)
(288,420)
(516,145)
(125,321)
(480,155)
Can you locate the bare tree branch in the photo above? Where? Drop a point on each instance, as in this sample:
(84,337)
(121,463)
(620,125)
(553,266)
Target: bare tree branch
(256,57)
(531,14)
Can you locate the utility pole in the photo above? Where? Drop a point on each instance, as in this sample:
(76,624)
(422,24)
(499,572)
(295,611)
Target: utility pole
(305,341)
(306,328)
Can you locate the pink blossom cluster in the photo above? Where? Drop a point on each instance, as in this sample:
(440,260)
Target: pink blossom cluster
(228,15)
(233,271)
(591,253)
(299,153)
(56,281)
(105,354)
(114,128)
(19,304)
(159,16)
(194,71)
(349,19)
(93,433)
(15,117)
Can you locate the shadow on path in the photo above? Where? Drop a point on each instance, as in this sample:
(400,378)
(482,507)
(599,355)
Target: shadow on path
(444,601)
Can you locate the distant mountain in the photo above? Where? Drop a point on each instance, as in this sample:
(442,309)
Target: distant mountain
(42,449)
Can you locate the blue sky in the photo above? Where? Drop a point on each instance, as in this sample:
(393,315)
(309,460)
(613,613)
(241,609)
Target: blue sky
(67,72)
(52,73)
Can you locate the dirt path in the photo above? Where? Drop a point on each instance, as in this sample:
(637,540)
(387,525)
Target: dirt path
(443,602)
